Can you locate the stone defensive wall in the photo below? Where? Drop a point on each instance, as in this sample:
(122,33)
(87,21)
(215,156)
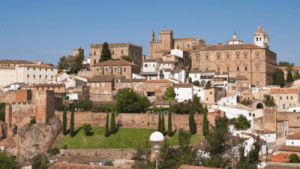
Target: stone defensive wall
(7,97)
(132,120)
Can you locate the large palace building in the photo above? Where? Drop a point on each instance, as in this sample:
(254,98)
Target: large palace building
(166,43)
(255,61)
(117,51)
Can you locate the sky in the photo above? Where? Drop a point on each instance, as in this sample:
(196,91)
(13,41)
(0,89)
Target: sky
(47,30)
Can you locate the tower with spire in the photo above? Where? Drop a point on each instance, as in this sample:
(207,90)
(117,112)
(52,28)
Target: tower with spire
(261,38)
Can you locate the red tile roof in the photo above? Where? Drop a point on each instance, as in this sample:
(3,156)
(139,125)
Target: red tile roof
(281,119)
(115,62)
(159,81)
(281,157)
(183,85)
(282,166)
(104,78)
(290,148)
(64,165)
(229,47)
(294,137)
(284,90)
(183,166)
(59,74)
(39,66)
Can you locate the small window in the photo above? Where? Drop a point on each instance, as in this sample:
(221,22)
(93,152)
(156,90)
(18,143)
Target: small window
(121,51)
(177,47)
(287,98)
(146,65)
(237,69)
(249,114)
(227,69)
(51,76)
(237,56)
(218,69)
(292,143)
(218,57)
(34,68)
(291,97)
(97,69)
(210,92)
(206,57)
(124,69)
(52,70)
(40,69)
(27,76)
(245,56)
(246,143)
(28,68)
(245,68)
(106,69)
(297,117)
(46,69)
(94,61)
(227,56)
(206,68)
(116,69)
(40,76)
(280,97)
(256,56)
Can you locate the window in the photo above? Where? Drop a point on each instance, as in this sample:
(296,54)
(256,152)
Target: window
(40,76)
(260,39)
(210,92)
(292,142)
(106,69)
(280,98)
(256,56)
(245,56)
(218,69)
(28,68)
(245,68)
(51,76)
(146,65)
(227,68)
(46,76)
(206,68)
(124,69)
(238,69)
(94,61)
(256,39)
(197,57)
(287,98)
(237,56)
(27,76)
(206,57)
(116,69)
(227,56)
(34,68)
(40,69)
(97,69)
(249,114)
(153,65)
(33,76)
(93,84)
(112,52)
(177,47)
(297,117)
(52,70)
(121,51)
(291,97)
(246,143)
(253,115)
(218,57)
(46,69)
(188,46)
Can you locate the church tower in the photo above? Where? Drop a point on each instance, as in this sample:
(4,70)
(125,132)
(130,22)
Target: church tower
(261,38)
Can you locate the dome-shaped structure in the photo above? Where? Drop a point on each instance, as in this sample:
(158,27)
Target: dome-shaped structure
(157,139)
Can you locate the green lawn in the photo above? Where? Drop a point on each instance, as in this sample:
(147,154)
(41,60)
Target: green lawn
(124,138)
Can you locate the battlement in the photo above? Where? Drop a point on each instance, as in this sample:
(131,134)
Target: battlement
(18,102)
(115,45)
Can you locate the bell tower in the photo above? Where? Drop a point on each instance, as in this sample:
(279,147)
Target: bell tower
(261,38)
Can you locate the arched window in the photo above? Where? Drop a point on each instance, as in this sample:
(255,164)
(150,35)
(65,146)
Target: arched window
(94,52)
(112,52)
(260,39)
(238,69)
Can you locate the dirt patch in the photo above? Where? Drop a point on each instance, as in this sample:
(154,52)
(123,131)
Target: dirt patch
(58,140)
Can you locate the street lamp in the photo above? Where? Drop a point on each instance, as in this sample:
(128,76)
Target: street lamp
(157,140)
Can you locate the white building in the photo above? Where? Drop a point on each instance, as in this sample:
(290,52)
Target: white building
(203,76)
(225,101)
(199,92)
(294,109)
(149,65)
(184,92)
(293,140)
(12,87)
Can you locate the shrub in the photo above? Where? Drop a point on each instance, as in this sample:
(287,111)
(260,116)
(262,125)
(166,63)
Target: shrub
(108,163)
(33,120)
(65,147)
(208,85)
(88,129)
(36,145)
(189,79)
(196,82)
(195,68)
(241,123)
(54,151)
(294,158)
(170,94)
(128,58)
(246,102)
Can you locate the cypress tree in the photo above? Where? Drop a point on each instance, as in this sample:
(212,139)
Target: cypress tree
(163,129)
(72,123)
(106,126)
(159,124)
(279,78)
(64,126)
(192,123)
(113,128)
(289,76)
(170,121)
(297,76)
(205,123)
(105,53)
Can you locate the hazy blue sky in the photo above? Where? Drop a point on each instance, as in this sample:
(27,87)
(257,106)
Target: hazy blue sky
(36,30)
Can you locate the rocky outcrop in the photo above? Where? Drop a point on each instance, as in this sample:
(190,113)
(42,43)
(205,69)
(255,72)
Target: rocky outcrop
(30,140)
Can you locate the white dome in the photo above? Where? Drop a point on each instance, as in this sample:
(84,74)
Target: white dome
(157,139)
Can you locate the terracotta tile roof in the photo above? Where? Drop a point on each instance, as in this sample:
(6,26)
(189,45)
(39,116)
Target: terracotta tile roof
(102,78)
(294,137)
(281,157)
(281,68)
(49,85)
(150,60)
(183,85)
(64,165)
(115,62)
(254,137)
(264,131)
(26,86)
(80,80)
(133,80)
(229,47)
(39,66)
(282,166)
(241,78)
(284,90)
(165,102)
(59,74)
(16,62)
(202,71)
(7,86)
(289,148)
(281,119)
(167,62)
(159,81)
(297,133)
(296,68)
(183,166)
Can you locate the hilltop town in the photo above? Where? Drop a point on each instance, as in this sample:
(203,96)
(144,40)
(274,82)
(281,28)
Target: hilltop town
(98,109)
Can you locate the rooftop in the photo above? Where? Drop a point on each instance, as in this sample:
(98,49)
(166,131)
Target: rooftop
(49,85)
(64,165)
(39,66)
(103,78)
(16,62)
(282,166)
(284,90)
(202,71)
(229,47)
(290,148)
(183,85)
(159,81)
(294,136)
(115,62)
(183,166)
(281,157)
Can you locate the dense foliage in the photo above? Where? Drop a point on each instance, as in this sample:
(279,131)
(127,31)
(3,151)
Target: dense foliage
(170,94)
(162,129)
(108,163)
(246,102)
(33,120)
(106,134)
(285,64)
(55,151)
(205,122)
(128,58)
(269,102)
(294,158)
(289,76)
(192,122)
(39,162)
(129,102)
(105,53)
(196,83)
(88,129)
(71,63)
(7,162)
(241,123)
(279,80)
(159,124)
(2,112)
(189,79)
(297,76)
(208,86)
(72,133)
(184,108)
(170,157)
(113,128)
(64,125)
(170,121)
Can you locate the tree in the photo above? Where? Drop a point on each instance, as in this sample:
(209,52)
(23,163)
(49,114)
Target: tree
(128,58)
(142,160)
(286,64)
(72,123)
(64,126)
(170,94)
(159,123)
(208,85)
(279,78)
(189,79)
(76,62)
(63,63)
(106,126)
(205,122)
(105,53)
(243,162)
(294,158)
(88,129)
(196,82)
(113,128)
(289,76)
(163,129)
(7,161)
(246,102)
(170,121)
(269,102)
(297,76)
(129,102)
(253,156)
(192,123)
(40,162)
(241,123)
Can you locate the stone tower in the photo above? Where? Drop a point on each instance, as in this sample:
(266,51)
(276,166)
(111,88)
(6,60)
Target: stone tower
(78,51)
(261,38)
(167,39)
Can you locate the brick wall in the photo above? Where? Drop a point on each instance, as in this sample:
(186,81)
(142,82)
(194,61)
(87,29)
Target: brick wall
(19,113)
(23,95)
(132,120)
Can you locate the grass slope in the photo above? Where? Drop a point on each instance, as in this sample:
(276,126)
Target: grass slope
(124,138)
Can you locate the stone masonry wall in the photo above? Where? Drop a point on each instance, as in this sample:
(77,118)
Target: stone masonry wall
(269,119)
(7,97)
(132,120)
(23,95)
